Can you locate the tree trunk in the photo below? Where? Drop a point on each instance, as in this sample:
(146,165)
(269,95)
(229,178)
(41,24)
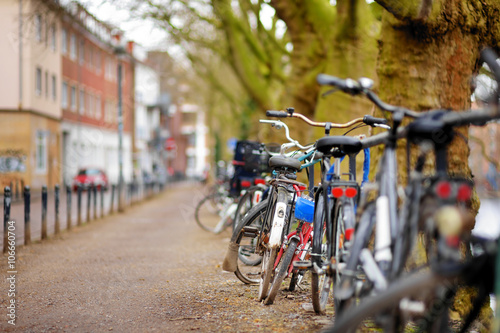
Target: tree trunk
(428,52)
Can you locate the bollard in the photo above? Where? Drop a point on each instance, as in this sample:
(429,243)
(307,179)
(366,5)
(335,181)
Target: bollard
(56,204)
(89,193)
(6,216)
(102,200)
(131,193)
(68,207)
(79,205)
(27,211)
(94,188)
(112,198)
(17,189)
(44,212)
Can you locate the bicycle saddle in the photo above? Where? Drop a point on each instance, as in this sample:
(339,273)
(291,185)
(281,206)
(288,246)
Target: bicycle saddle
(348,145)
(281,161)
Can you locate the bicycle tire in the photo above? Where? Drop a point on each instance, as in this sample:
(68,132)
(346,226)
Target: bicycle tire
(282,270)
(207,212)
(248,263)
(416,284)
(343,218)
(271,251)
(344,289)
(267,272)
(319,255)
(245,203)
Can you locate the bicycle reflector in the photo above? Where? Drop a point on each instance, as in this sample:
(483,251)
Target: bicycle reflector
(337,192)
(348,233)
(443,189)
(349,192)
(456,190)
(260,181)
(246,183)
(464,192)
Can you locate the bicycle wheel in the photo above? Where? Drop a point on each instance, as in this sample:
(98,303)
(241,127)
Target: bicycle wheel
(267,272)
(409,293)
(248,263)
(282,270)
(344,220)
(251,197)
(273,238)
(345,287)
(320,282)
(209,211)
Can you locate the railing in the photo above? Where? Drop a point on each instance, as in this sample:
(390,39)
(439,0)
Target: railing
(49,212)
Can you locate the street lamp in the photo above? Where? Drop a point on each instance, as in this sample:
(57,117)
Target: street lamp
(119,52)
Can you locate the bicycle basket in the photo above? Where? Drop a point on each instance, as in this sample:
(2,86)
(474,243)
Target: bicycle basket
(304,210)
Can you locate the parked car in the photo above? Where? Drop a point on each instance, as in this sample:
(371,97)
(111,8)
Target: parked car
(88,176)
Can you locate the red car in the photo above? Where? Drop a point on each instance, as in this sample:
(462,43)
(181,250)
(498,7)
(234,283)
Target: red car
(91,176)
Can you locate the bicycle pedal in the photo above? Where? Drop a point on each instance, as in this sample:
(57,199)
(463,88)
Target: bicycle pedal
(302,264)
(249,231)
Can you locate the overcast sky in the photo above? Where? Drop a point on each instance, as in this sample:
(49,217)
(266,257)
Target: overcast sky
(142,32)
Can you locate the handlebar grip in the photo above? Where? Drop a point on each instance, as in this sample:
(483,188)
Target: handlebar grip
(369,120)
(328,80)
(490,57)
(277,114)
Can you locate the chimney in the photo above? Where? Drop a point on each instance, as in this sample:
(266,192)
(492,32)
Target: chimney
(130,46)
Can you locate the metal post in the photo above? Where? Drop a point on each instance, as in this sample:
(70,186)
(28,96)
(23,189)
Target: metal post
(120,138)
(27,210)
(6,215)
(89,193)
(102,201)
(79,206)
(56,204)
(68,207)
(94,190)
(44,212)
(18,189)
(111,207)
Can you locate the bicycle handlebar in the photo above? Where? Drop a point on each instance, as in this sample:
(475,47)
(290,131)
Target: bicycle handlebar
(453,119)
(277,114)
(369,120)
(279,124)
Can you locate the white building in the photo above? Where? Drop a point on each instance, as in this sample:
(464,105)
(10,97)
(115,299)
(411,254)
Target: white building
(148,134)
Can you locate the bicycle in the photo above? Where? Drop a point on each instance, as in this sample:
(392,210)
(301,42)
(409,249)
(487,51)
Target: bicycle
(446,224)
(249,243)
(335,200)
(223,208)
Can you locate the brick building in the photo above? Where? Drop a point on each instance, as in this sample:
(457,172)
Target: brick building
(89,95)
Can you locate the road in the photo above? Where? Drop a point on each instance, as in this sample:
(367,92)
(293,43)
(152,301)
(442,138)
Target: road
(149,269)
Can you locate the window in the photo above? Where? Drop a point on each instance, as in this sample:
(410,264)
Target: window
(73,98)
(64,95)
(38,27)
(53,37)
(46,84)
(98,107)
(54,88)
(107,70)
(64,41)
(82,52)
(72,47)
(82,101)
(90,60)
(98,62)
(38,81)
(41,152)
(90,104)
